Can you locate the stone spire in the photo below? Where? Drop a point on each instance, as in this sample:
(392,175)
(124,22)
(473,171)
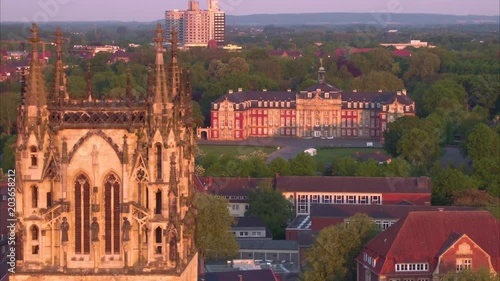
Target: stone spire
(35,91)
(160,89)
(174,71)
(128,92)
(59,94)
(89,82)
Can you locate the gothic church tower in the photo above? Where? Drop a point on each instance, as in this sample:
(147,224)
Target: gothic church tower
(105,187)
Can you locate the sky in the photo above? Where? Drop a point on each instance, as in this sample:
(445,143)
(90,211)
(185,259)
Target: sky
(150,10)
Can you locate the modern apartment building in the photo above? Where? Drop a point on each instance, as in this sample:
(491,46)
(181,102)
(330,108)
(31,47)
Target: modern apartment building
(197,27)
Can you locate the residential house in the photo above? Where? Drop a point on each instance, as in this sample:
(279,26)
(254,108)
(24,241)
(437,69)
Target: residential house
(424,246)
(250,228)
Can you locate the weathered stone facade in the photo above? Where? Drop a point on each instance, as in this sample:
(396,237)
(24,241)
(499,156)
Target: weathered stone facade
(105,187)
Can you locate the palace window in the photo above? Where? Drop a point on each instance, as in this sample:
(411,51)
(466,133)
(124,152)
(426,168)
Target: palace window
(34,156)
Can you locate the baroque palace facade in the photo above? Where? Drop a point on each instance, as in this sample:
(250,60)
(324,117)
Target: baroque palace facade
(320,111)
(105,187)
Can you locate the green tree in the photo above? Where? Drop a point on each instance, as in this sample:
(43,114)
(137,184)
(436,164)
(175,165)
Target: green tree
(345,166)
(444,94)
(238,65)
(483,142)
(395,131)
(217,69)
(446,181)
(302,165)
(419,146)
(279,166)
(397,168)
(469,275)
(214,238)
(332,254)
(272,208)
(422,65)
(375,81)
(370,168)
(8,110)
(9,153)
(485,170)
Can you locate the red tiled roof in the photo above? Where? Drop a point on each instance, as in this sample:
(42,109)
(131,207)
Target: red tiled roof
(401,53)
(354,184)
(375,211)
(233,186)
(422,236)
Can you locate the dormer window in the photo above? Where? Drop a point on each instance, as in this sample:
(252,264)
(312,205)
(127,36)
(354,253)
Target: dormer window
(260,103)
(33,156)
(215,106)
(309,95)
(327,95)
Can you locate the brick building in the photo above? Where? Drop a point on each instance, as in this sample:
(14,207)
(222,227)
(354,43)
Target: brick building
(320,111)
(424,246)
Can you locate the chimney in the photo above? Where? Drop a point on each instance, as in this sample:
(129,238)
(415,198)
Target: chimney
(240,89)
(403,92)
(230,91)
(240,277)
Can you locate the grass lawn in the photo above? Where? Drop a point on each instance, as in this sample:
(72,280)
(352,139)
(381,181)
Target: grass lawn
(234,149)
(327,155)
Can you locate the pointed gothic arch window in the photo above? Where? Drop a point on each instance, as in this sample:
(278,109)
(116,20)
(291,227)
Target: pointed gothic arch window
(158,240)
(158,151)
(33,156)
(112,214)
(34,196)
(82,214)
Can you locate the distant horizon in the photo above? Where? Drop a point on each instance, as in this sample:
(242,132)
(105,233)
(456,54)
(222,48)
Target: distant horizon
(257,14)
(153,10)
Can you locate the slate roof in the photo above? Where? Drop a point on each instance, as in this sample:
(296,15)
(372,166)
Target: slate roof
(354,184)
(249,222)
(277,245)
(379,97)
(375,211)
(238,97)
(422,236)
(233,186)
